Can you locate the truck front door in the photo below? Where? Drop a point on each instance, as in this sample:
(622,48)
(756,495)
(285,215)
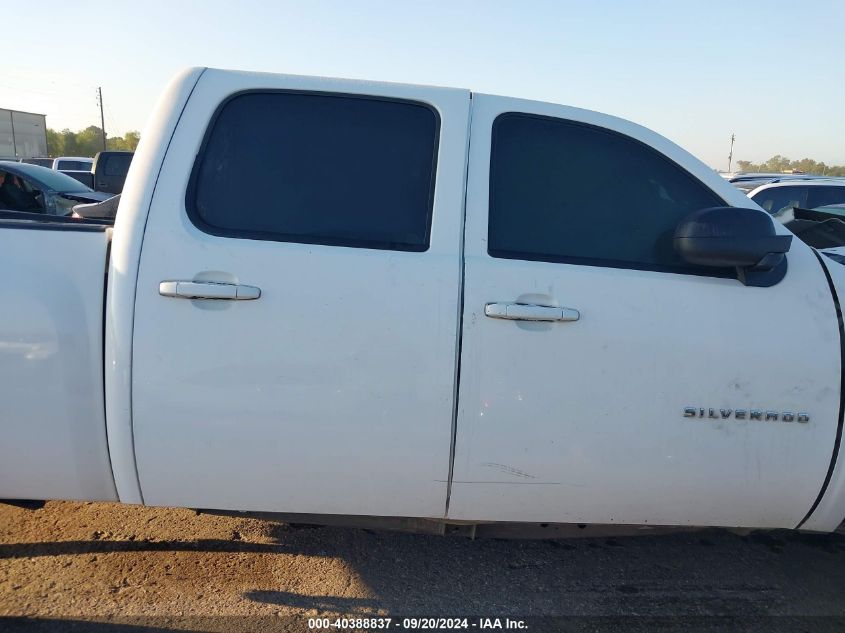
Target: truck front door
(297,301)
(570,214)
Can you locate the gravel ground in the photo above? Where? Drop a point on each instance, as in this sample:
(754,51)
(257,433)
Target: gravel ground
(104,567)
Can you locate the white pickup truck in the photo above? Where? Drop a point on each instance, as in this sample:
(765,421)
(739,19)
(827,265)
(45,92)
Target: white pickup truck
(334,297)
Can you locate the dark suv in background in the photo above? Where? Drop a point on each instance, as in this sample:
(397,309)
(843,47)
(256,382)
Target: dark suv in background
(110,169)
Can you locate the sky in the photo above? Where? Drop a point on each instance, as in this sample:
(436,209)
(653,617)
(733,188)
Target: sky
(771,72)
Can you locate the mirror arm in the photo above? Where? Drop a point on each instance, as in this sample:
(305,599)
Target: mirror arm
(769,271)
(769,262)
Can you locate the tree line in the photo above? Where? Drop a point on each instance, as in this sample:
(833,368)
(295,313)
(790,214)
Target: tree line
(779,164)
(88,142)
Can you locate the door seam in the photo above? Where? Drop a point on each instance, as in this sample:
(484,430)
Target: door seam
(460,330)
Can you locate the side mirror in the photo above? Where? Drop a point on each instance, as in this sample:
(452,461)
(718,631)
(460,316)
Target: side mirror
(730,237)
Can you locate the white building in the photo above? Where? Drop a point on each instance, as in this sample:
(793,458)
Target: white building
(22,134)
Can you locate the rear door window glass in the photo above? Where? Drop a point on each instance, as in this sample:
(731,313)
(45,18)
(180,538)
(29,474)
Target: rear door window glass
(318,168)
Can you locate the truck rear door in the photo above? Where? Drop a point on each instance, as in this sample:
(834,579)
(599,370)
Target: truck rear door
(583,418)
(297,300)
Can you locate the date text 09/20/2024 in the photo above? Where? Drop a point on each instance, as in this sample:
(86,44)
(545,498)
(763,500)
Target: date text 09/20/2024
(424,623)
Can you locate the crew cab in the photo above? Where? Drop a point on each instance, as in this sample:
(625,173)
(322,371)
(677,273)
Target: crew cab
(351,298)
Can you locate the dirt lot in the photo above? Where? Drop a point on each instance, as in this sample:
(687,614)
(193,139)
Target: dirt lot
(69,562)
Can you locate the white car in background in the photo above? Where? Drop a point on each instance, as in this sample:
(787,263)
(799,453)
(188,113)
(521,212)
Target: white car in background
(813,210)
(751,180)
(775,197)
(77,167)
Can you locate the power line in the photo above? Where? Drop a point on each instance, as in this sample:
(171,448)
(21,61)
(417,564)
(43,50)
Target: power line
(112,121)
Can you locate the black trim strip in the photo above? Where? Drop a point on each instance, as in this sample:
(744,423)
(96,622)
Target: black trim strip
(835,454)
(31,225)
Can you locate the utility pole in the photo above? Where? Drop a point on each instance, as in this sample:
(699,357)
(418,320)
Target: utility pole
(103,118)
(730,155)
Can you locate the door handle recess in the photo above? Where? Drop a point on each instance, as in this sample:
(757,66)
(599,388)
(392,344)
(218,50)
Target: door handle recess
(530,312)
(208,290)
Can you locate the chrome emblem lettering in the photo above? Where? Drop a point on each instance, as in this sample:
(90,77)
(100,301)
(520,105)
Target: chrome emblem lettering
(746,414)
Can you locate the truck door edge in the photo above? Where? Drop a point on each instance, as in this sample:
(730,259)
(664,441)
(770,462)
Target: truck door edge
(828,509)
(130,225)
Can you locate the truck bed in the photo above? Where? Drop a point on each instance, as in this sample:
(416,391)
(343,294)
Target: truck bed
(51,361)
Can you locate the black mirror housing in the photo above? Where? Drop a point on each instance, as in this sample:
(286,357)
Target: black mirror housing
(731,237)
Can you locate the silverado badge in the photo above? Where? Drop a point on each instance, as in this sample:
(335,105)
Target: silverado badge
(745,414)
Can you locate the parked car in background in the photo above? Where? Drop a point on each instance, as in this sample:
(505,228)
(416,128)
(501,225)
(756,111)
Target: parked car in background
(73,163)
(35,189)
(77,167)
(110,169)
(775,197)
(752,175)
(749,182)
(822,227)
(42,162)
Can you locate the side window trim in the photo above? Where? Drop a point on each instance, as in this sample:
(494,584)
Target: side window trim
(594,261)
(198,222)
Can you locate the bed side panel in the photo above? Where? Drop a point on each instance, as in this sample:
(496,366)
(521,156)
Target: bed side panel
(52,421)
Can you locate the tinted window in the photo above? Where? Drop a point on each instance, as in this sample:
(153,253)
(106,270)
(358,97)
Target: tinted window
(74,165)
(117,164)
(819,196)
(43,162)
(567,192)
(50,179)
(16,194)
(777,199)
(318,169)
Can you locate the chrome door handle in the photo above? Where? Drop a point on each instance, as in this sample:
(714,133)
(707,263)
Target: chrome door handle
(530,312)
(208,290)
